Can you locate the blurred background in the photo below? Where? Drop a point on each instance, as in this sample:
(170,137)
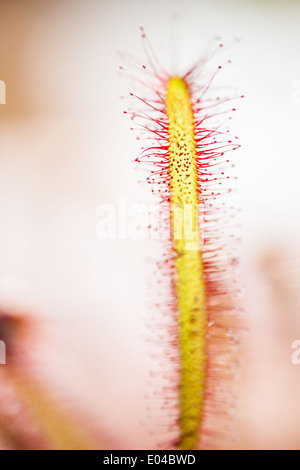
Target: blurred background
(66,148)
